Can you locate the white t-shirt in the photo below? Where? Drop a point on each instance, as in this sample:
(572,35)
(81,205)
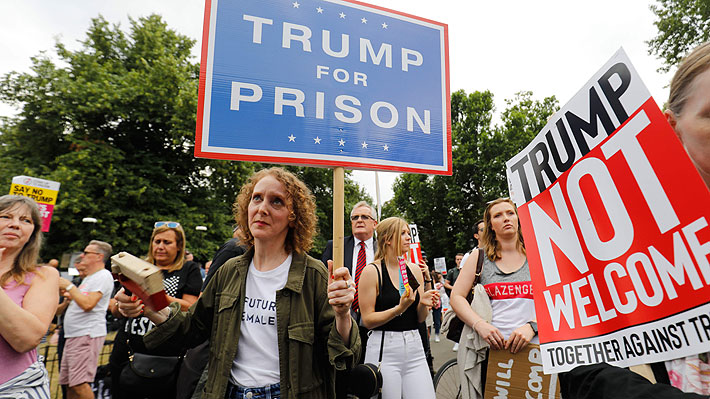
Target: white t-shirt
(511,296)
(257,360)
(77,322)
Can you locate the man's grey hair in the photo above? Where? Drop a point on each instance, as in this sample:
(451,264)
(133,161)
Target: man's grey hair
(103,247)
(360,204)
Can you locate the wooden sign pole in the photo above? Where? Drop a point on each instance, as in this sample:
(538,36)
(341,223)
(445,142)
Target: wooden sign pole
(338,219)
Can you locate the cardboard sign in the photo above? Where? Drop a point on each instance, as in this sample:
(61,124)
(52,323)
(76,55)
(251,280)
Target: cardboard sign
(324,83)
(414,233)
(615,221)
(44,192)
(414,254)
(519,376)
(440,264)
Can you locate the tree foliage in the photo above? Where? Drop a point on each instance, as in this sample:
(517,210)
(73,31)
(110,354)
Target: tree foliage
(114,123)
(682,25)
(446,208)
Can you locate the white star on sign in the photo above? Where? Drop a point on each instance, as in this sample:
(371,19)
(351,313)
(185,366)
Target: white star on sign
(364,144)
(364,20)
(386,147)
(320,10)
(295,4)
(317,140)
(384,25)
(342,15)
(292,138)
(341,143)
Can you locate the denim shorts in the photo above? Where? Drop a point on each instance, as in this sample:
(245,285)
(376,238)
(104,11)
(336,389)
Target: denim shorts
(267,392)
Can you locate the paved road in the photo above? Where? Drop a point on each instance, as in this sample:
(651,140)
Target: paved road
(441,351)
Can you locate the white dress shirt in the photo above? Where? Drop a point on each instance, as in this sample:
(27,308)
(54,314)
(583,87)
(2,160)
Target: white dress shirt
(369,253)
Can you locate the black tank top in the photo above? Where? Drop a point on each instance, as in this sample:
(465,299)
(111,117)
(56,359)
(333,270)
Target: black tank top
(389,298)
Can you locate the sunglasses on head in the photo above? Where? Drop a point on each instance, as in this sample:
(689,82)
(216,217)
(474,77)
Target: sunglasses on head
(172,225)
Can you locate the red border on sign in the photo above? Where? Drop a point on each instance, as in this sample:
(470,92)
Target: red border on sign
(308,161)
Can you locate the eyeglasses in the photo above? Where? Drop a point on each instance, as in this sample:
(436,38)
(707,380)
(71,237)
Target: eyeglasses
(90,252)
(360,217)
(172,225)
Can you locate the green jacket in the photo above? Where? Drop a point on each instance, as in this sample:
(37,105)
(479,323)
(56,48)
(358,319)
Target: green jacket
(310,348)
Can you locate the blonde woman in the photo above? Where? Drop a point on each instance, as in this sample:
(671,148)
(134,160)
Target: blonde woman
(512,324)
(28,299)
(388,311)
(182,281)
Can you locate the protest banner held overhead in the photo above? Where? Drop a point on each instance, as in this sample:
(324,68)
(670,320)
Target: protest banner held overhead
(324,83)
(440,265)
(615,223)
(414,233)
(44,192)
(414,254)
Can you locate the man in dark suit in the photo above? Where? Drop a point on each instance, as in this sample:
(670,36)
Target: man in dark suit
(363,219)
(359,250)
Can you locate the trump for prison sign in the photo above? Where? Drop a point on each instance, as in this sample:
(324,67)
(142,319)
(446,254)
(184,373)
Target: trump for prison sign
(615,221)
(324,83)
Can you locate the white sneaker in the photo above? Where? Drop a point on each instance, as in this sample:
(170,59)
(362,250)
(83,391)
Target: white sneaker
(436,338)
(456,347)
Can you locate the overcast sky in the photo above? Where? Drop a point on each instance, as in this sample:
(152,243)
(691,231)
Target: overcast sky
(548,47)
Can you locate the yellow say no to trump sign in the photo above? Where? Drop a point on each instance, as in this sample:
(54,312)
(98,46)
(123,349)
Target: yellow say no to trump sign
(44,192)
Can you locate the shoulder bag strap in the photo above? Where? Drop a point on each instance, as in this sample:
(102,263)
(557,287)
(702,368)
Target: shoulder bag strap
(379,362)
(477,277)
(379,279)
(379,284)
(382,343)
(479,266)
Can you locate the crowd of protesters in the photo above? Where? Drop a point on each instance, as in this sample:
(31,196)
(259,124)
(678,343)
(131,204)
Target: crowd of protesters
(274,322)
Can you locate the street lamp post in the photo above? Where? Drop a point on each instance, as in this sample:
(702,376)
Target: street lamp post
(92,222)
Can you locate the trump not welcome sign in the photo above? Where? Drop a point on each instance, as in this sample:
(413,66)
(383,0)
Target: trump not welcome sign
(615,221)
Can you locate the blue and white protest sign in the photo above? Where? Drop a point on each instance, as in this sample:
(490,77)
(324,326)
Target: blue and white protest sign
(324,83)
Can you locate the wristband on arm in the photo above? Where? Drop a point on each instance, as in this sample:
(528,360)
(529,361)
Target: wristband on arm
(533,325)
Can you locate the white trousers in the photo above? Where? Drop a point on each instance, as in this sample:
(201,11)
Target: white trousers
(405,373)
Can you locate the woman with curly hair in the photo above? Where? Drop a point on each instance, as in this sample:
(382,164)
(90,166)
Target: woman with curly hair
(28,299)
(278,325)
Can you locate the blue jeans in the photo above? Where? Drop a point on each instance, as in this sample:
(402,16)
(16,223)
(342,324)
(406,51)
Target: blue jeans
(268,392)
(436,313)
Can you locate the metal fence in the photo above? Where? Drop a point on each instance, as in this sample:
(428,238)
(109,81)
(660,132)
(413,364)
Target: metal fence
(51,362)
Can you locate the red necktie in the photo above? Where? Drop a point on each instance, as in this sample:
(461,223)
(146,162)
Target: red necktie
(361,260)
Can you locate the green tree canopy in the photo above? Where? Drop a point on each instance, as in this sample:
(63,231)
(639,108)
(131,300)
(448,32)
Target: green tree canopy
(682,25)
(445,208)
(114,123)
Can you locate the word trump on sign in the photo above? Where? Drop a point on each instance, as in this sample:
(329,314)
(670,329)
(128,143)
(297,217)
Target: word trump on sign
(44,192)
(324,83)
(616,234)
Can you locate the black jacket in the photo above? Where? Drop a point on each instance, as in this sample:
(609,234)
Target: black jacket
(347,252)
